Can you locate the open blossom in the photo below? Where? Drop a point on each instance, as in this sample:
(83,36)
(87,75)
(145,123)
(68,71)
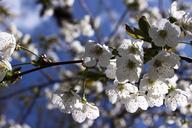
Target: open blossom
(85,110)
(164,33)
(186,22)
(7,45)
(154,87)
(65,101)
(69,102)
(154,100)
(175,12)
(131,47)
(128,68)
(175,98)
(96,54)
(184,19)
(119,91)
(163,64)
(134,102)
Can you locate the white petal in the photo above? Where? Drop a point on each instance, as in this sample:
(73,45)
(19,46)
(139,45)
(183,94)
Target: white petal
(142,102)
(78,115)
(111,93)
(7,45)
(181,100)
(131,105)
(92,112)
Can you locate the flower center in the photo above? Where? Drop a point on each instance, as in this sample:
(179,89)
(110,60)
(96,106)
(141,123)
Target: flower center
(151,82)
(162,33)
(133,50)
(98,50)
(131,64)
(120,87)
(157,63)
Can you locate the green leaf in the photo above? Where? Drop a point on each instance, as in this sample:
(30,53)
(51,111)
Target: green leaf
(137,33)
(144,25)
(133,32)
(172,19)
(150,53)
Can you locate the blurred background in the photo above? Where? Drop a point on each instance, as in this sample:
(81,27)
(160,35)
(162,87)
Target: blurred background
(54,28)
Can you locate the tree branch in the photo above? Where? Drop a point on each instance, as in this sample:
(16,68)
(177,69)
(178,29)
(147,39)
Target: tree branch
(48,65)
(187,59)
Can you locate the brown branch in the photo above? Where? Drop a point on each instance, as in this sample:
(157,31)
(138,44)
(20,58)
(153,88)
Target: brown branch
(187,59)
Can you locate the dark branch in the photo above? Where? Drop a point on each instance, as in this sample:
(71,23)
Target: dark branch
(187,59)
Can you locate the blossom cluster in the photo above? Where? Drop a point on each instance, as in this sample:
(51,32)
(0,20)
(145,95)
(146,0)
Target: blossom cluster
(129,84)
(115,77)
(71,103)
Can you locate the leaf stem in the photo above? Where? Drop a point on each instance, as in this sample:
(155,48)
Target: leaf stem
(27,50)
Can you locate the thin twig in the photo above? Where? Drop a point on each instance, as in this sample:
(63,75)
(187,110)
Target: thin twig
(187,59)
(27,50)
(48,65)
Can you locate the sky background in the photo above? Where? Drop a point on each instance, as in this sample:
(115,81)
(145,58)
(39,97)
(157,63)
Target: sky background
(28,21)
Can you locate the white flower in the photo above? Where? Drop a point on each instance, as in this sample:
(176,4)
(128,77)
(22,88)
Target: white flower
(131,47)
(174,12)
(172,82)
(154,100)
(97,54)
(165,33)
(154,87)
(56,101)
(119,91)
(4,67)
(186,22)
(134,102)
(128,68)
(65,101)
(110,72)
(85,110)
(86,27)
(7,45)
(176,98)
(163,64)
(184,19)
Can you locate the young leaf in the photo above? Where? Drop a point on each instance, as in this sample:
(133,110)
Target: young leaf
(134,33)
(144,25)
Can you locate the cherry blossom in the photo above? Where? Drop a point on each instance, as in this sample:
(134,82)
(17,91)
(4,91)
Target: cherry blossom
(164,33)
